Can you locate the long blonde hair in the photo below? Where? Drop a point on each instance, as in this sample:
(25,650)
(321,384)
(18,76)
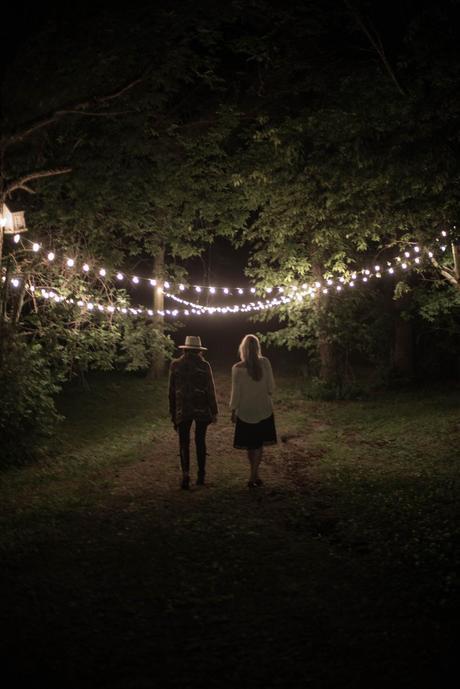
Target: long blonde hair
(250,355)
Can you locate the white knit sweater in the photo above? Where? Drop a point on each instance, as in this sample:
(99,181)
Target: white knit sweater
(251,399)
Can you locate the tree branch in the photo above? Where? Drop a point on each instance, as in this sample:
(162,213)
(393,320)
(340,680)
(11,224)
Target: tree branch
(450,277)
(377,44)
(80,108)
(39,174)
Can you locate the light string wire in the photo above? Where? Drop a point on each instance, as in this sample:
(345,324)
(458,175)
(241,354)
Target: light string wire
(409,259)
(121,277)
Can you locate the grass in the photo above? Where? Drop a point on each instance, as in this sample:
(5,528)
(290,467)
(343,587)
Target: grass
(342,571)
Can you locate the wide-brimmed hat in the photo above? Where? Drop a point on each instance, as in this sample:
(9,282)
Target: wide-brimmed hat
(193,342)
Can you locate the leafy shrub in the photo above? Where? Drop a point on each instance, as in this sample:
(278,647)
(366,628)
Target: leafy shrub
(317,389)
(27,389)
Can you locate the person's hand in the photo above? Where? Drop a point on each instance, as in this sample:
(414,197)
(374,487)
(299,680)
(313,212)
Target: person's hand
(233,416)
(214,418)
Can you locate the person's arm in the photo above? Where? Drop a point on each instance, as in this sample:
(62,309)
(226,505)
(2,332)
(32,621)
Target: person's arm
(212,394)
(270,378)
(172,394)
(235,395)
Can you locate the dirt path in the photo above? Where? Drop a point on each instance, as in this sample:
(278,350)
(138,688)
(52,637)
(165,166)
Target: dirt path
(150,586)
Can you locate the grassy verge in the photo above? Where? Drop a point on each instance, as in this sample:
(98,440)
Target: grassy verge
(341,572)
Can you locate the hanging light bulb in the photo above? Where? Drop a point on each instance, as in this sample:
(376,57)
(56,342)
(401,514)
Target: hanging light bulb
(166,284)
(102,272)
(182,287)
(85,267)
(120,276)
(152,282)
(212,290)
(135,279)
(35,247)
(70,262)
(51,256)
(17,238)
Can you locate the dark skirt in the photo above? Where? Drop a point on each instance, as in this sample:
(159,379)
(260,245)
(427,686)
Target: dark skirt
(251,436)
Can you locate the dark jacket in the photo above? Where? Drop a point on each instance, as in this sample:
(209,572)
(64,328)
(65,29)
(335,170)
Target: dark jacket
(192,394)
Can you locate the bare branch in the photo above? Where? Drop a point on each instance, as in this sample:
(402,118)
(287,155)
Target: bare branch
(376,43)
(39,174)
(446,273)
(75,109)
(29,190)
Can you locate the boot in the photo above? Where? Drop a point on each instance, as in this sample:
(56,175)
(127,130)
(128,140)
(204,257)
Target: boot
(185,483)
(185,466)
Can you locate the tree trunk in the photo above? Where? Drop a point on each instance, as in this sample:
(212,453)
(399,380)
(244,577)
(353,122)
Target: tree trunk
(328,360)
(327,350)
(403,341)
(158,365)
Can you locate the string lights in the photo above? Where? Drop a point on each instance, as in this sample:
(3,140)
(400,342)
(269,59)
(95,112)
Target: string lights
(285,294)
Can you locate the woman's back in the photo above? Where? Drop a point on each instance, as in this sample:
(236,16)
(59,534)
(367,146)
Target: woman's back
(251,398)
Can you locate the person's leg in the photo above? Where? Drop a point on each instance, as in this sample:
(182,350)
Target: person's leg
(257,460)
(254,457)
(184,449)
(200,442)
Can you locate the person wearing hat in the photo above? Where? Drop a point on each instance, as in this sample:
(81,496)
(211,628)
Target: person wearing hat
(192,397)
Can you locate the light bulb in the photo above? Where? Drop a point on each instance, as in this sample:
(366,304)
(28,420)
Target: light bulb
(120,276)
(253,290)
(197,288)
(212,290)
(102,272)
(35,247)
(51,256)
(85,267)
(182,287)
(166,284)
(70,262)
(16,238)
(135,279)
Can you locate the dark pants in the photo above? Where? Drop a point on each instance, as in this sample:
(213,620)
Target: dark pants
(200,442)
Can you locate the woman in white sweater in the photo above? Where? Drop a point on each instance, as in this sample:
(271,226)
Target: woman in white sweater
(251,404)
